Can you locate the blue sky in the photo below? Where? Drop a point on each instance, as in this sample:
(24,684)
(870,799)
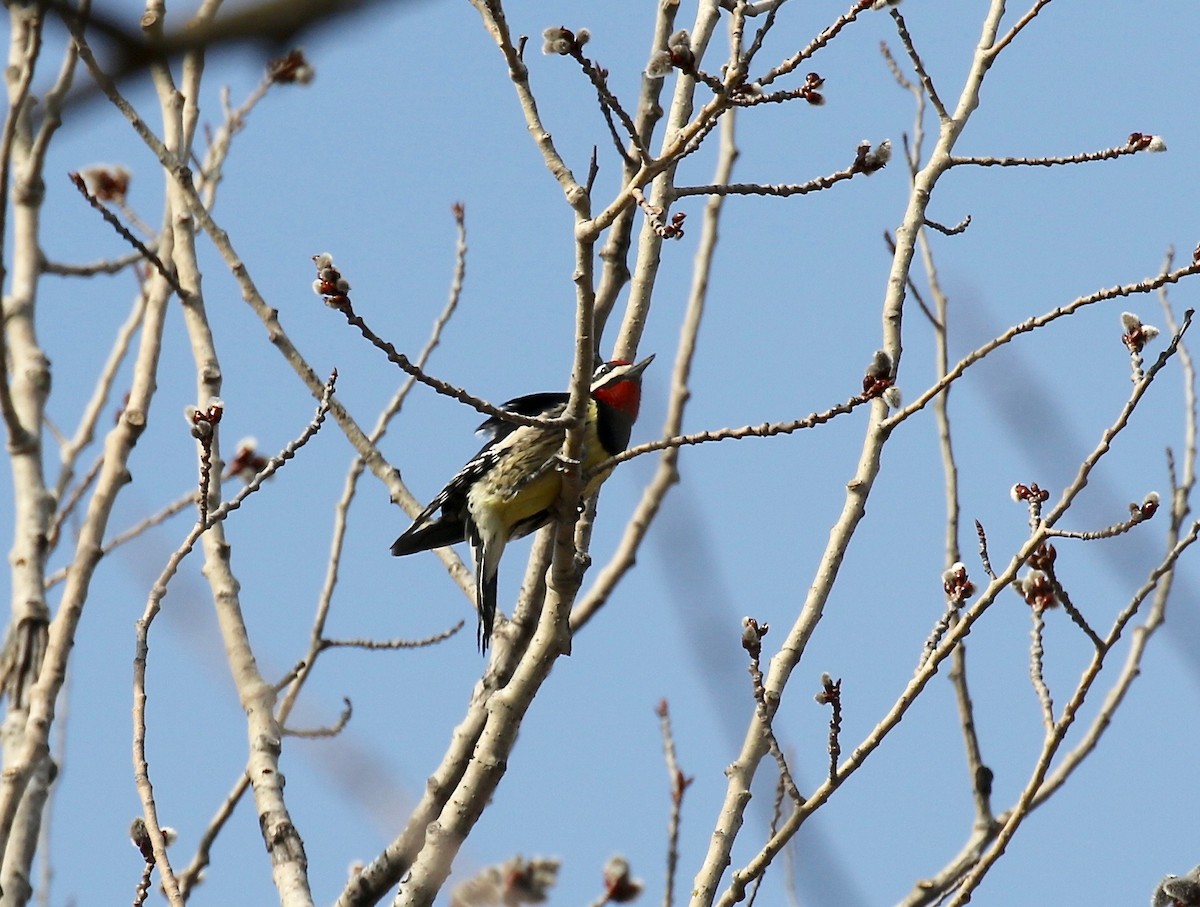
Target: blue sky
(411,112)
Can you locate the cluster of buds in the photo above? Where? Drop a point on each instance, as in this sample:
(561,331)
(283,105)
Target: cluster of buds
(139,834)
(1030,493)
(752,635)
(957,586)
(515,881)
(291,69)
(202,421)
(879,381)
(106,183)
(677,55)
(1037,589)
(529,881)
(1042,558)
(673,230)
(1178,891)
(619,886)
(809,92)
(1140,141)
(831,691)
(879,374)
(1146,509)
(1136,335)
(330,283)
(870,159)
(247,462)
(563,41)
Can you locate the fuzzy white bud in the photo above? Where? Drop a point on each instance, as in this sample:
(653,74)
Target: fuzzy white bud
(660,65)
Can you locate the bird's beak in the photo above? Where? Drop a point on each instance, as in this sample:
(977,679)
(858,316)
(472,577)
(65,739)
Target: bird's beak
(636,370)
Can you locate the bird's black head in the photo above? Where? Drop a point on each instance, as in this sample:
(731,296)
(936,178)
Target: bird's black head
(617,389)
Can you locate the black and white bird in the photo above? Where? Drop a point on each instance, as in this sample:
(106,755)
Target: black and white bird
(510,487)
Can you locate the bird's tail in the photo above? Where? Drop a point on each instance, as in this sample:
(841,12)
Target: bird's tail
(420,537)
(485,593)
(486,555)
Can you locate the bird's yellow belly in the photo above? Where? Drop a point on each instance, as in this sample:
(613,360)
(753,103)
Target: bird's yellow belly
(529,482)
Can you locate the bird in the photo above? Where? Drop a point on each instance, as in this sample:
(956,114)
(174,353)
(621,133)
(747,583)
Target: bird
(508,490)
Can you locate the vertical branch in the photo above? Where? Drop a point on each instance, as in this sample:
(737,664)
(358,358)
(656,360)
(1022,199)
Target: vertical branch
(615,252)
(667,473)
(288,861)
(25,39)
(86,430)
(22,408)
(506,707)
(977,771)
(1037,654)
(649,246)
(741,773)
(679,783)
(276,838)
(114,474)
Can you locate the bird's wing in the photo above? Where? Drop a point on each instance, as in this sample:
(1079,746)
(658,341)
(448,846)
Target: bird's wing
(450,527)
(544,404)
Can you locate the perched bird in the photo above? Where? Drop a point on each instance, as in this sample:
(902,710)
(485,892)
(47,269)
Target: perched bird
(509,488)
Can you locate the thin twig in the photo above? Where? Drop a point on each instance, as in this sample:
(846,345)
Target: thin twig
(679,784)
(68,506)
(831,695)
(831,32)
(178,505)
(983,550)
(918,66)
(153,606)
(191,876)
(781,190)
(394,356)
(610,105)
(1083,157)
(765,430)
(379,644)
(102,391)
(322,732)
(317,642)
(1148,285)
(124,232)
(1037,675)
(1139,516)
(1016,29)
(949,231)
(752,635)
(103,266)
(1073,612)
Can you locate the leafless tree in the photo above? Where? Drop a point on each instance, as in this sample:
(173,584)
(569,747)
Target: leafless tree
(702,80)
